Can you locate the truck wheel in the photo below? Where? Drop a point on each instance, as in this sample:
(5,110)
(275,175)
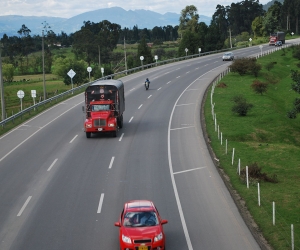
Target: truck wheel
(115,133)
(120,123)
(88,134)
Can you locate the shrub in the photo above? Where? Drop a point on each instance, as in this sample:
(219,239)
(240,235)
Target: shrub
(245,65)
(270,65)
(255,174)
(296,53)
(259,87)
(241,107)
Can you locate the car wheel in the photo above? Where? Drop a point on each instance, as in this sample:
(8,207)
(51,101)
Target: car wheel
(88,134)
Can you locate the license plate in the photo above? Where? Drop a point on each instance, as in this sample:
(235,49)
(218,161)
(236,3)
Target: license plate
(99,129)
(143,248)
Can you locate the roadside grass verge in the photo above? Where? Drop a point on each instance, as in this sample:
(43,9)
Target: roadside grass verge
(267,137)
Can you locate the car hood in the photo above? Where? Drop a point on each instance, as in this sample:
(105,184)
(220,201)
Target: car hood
(141,232)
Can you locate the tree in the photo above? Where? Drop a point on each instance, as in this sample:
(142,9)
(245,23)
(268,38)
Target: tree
(188,20)
(272,20)
(257,27)
(61,67)
(8,72)
(296,87)
(259,87)
(241,107)
(145,51)
(190,41)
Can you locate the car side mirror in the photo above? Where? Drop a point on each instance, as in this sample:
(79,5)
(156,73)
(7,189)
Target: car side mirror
(117,224)
(164,222)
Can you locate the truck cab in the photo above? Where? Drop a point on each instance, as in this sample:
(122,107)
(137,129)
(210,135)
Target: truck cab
(104,106)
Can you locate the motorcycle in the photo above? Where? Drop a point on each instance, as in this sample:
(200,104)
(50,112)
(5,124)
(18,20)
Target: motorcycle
(147,85)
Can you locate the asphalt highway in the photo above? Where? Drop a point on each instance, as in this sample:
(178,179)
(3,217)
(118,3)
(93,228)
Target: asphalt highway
(60,190)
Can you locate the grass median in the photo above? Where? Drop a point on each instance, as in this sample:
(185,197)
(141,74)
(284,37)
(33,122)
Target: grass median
(265,138)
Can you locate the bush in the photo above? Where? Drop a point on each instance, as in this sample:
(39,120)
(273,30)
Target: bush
(245,65)
(259,87)
(270,65)
(296,53)
(255,174)
(241,107)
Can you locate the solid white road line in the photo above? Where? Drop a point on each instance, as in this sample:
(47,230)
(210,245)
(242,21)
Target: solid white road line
(36,131)
(100,203)
(111,162)
(52,164)
(24,206)
(184,226)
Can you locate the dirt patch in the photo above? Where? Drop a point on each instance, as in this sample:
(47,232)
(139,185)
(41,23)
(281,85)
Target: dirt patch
(221,85)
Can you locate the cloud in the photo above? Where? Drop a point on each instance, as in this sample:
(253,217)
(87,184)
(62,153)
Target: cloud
(67,8)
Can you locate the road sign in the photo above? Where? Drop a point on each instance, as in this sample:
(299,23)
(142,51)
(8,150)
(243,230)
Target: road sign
(141,58)
(71,73)
(33,93)
(89,69)
(20,94)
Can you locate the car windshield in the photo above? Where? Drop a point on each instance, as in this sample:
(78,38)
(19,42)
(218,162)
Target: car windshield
(140,219)
(100,107)
(227,54)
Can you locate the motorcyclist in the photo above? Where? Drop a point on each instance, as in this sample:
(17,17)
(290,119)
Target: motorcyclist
(147,80)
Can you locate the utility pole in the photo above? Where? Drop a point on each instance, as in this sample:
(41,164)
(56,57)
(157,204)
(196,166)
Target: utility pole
(230,38)
(43,55)
(2,87)
(99,56)
(125,55)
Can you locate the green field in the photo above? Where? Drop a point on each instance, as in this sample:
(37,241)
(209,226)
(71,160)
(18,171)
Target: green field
(265,137)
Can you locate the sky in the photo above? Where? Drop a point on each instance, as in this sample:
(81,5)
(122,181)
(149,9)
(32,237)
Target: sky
(70,8)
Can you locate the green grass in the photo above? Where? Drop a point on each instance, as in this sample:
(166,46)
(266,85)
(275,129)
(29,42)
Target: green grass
(265,136)
(54,85)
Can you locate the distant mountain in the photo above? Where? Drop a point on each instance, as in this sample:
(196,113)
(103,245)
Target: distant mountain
(141,18)
(269,4)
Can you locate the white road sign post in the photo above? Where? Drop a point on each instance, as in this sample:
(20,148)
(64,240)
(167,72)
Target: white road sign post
(21,94)
(156,57)
(102,71)
(261,47)
(89,69)
(186,51)
(250,40)
(199,51)
(71,74)
(33,95)
(142,58)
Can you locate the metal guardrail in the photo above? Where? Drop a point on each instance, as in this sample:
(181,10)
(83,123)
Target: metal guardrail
(133,70)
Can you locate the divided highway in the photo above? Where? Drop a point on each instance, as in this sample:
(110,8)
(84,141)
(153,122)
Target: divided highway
(60,190)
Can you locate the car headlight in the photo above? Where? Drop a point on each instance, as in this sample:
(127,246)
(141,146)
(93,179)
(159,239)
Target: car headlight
(158,237)
(88,125)
(111,125)
(126,239)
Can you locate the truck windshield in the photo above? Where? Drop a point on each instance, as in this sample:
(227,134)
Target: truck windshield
(100,107)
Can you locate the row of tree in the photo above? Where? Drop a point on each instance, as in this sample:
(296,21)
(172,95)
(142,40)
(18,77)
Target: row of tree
(95,42)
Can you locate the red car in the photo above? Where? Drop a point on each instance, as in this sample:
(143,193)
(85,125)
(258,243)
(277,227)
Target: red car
(141,227)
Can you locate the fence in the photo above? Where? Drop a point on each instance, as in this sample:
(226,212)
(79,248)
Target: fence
(269,207)
(81,87)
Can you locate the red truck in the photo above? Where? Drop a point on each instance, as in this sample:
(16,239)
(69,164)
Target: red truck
(278,36)
(104,107)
